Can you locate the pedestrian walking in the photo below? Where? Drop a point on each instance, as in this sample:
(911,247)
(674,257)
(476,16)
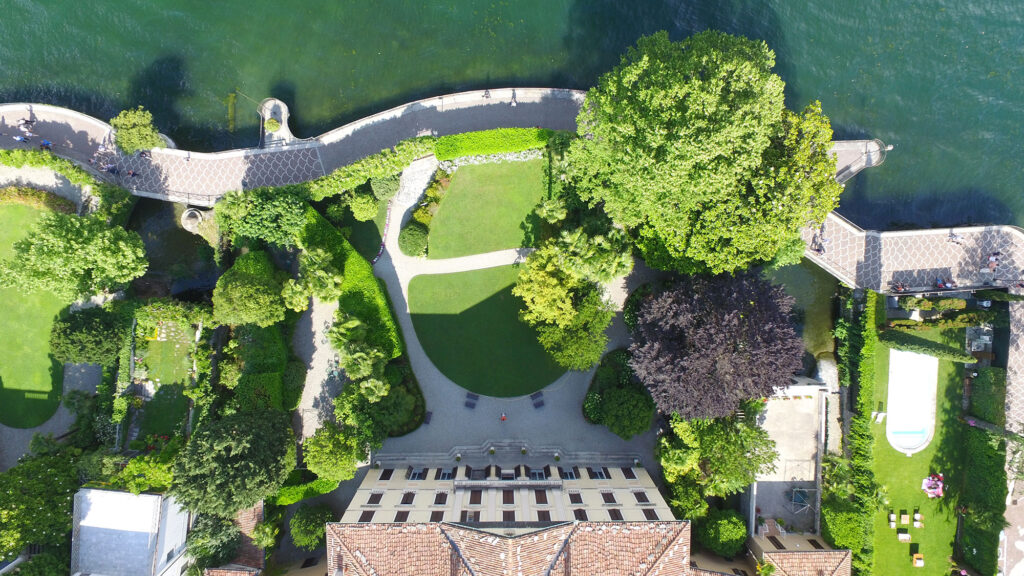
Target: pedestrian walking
(21,139)
(503,417)
(132,173)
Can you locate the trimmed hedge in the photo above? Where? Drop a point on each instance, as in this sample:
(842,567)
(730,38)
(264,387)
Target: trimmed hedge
(386,163)
(297,488)
(36,199)
(496,141)
(998,296)
(412,240)
(958,319)
(259,392)
(907,342)
(985,500)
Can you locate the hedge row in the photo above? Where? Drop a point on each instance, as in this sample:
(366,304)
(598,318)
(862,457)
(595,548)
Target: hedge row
(496,141)
(908,342)
(384,164)
(998,296)
(36,199)
(362,293)
(299,487)
(984,500)
(957,319)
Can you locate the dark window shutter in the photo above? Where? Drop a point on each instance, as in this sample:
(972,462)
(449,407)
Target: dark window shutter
(526,471)
(437,474)
(455,471)
(547,471)
(607,474)
(561,472)
(408,472)
(590,472)
(576,471)
(469,471)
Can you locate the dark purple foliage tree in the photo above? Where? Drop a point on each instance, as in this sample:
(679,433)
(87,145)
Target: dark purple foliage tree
(707,343)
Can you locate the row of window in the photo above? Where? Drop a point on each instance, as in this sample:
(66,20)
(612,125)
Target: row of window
(565,473)
(509,497)
(580,514)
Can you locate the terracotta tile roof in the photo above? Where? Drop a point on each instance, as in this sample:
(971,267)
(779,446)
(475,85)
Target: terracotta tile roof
(810,563)
(584,548)
(702,572)
(249,559)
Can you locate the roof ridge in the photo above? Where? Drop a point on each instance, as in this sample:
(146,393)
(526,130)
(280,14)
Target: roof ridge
(355,563)
(455,547)
(667,545)
(565,542)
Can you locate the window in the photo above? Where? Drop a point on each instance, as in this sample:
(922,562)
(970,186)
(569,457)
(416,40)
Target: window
(541,496)
(508,474)
(598,473)
(386,473)
(408,497)
(468,516)
(543,516)
(608,497)
(628,473)
(402,516)
(580,514)
(440,499)
(615,514)
(508,516)
(650,514)
(170,556)
(575,498)
(366,516)
(815,544)
(569,473)
(416,474)
(447,474)
(375,498)
(474,497)
(508,496)
(437,516)
(641,497)
(538,475)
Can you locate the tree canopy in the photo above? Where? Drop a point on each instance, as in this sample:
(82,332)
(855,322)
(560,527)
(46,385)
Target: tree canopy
(135,130)
(72,256)
(707,343)
(36,498)
(723,532)
(235,462)
(93,335)
(213,540)
(689,145)
(331,454)
(249,292)
(307,525)
(275,215)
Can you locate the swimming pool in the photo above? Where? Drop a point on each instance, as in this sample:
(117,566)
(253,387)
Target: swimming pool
(910,422)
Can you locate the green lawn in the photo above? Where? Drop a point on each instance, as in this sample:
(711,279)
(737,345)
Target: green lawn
(167,360)
(485,208)
(468,323)
(901,475)
(165,413)
(30,379)
(988,396)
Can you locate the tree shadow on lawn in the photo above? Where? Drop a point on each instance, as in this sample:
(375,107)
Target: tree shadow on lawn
(486,348)
(165,413)
(950,455)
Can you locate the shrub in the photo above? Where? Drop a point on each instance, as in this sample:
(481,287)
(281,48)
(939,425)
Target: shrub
(249,292)
(256,392)
(955,319)
(412,240)
(135,130)
(271,125)
(592,403)
(915,303)
(949,303)
(36,199)
(274,215)
(92,335)
(908,342)
(293,381)
(985,501)
(364,205)
(384,188)
(307,526)
(627,411)
(722,532)
(496,141)
(296,489)
(843,524)
(332,455)
(386,163)
(264,535)
(213,541)
(998,296)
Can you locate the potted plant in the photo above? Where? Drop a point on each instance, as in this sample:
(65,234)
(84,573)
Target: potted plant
(523,451)
(458,457)
(491,451)
(557,457)
(271,125)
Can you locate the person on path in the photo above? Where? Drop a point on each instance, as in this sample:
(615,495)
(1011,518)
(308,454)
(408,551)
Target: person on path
(503,417)
(21,139)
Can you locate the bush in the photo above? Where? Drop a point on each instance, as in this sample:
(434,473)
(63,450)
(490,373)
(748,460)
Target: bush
(998,296)
(293,382)
(135,130)
(722,532)
(274,215)
(900,340)
(271,125)
(364,205)
(956,319)
(249,292)
(264,535)
(385,188)
(985,501)
(332,455)
(297,489)
(914,303)
(592,404)
(307,526)
(949,303)
(36,199)
(45,564)
(213,541)
(627,411)
(90,336)
(496,141)
(412,240)
(256,392)
(843,524)
(387,163)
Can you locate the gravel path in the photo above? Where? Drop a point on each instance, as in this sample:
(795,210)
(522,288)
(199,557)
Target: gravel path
(14,441)
(322,383)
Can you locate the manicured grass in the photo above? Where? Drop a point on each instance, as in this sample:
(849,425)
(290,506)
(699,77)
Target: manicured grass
(167,360)
(485,208)
(30,379)
(165,413)
(468,324)
(988,396)
(901,475)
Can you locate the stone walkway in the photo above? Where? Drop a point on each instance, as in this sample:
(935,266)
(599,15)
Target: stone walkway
(14,441)
(322,381)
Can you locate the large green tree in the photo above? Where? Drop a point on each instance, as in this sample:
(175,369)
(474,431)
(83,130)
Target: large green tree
(93,335)
(233,463)
(72,256)
(135,130)
(330,453)
(36,498)
(307,525)
(275,215)
(689,145)
(249,292)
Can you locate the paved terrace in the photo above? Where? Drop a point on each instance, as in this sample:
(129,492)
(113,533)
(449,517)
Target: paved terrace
(201,178)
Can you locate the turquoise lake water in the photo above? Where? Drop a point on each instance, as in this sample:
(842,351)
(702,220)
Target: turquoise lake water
(940,80)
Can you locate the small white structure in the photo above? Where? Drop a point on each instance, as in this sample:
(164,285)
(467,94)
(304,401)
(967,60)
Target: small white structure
(123,534)
(910,420)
